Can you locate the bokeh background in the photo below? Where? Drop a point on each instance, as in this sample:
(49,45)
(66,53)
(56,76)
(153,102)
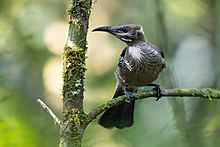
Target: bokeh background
(32,36)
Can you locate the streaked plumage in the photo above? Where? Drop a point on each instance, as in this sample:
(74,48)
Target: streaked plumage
(140,64)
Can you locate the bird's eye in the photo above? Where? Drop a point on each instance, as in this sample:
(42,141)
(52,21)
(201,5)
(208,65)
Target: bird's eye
(139,33)
(125,30)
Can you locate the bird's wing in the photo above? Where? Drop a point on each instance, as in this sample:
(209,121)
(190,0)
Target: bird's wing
(158,49)
(121,58)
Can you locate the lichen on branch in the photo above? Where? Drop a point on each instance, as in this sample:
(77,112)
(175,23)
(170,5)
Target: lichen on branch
(72,124)
(206,93)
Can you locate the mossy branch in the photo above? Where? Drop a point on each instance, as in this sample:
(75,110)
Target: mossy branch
(74,56)
(206,93)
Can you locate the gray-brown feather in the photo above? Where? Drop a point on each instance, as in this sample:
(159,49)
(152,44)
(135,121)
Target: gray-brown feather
(142,65)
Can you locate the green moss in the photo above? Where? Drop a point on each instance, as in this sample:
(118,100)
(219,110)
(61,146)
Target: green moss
(74,73)
(208,92)
(193,92)
(179,91)
(80,6)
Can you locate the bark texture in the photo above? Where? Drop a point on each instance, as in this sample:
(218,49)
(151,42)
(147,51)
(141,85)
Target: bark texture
(72,123)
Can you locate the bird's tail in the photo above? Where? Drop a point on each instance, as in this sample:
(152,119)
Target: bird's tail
(119,116)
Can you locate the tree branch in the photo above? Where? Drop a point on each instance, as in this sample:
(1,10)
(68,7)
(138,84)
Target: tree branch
(55,118)
(206,93)
(74,67)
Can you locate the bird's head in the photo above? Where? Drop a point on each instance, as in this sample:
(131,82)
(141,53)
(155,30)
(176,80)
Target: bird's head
(129,33)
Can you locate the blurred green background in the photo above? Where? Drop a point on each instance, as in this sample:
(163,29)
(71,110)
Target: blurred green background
(32,37)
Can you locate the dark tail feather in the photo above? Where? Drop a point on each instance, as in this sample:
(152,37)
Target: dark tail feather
(119,116)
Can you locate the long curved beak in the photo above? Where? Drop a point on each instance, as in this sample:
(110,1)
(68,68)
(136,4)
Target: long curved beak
(103,29)
(116,31)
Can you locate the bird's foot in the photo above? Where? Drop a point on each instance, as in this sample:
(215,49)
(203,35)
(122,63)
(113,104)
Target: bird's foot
(158,90)
(129,95)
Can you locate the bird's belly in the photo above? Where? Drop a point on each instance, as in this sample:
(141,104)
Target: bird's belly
(142,78)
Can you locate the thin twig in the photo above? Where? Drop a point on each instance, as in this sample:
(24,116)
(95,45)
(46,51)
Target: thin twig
(55,118)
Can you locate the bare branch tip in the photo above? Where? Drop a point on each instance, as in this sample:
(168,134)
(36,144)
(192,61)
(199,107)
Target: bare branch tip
(43,105)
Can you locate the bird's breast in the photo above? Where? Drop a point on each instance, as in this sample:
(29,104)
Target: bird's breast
(141,67)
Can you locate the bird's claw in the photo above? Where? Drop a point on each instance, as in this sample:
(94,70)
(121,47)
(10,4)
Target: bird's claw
(129,95)
(158,92)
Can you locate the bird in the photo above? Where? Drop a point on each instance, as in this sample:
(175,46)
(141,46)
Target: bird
(140,64)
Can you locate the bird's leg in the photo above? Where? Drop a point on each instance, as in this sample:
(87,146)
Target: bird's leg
(158,90)
(128,94)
